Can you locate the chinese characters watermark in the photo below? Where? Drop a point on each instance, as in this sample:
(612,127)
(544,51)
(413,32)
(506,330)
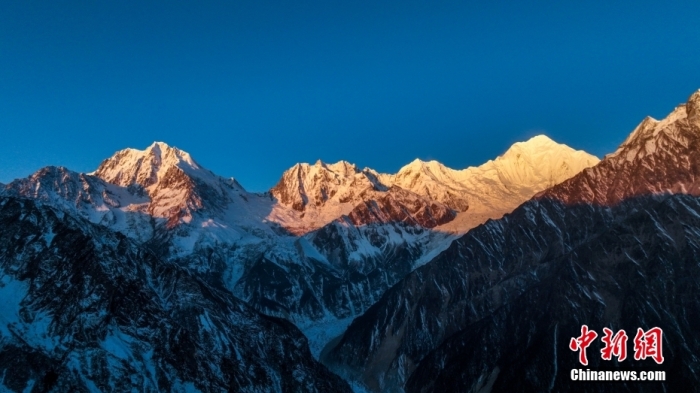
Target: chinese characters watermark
(647,344)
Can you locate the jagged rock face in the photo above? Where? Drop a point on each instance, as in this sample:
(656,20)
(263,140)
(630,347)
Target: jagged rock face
(639,272)
(175,183)
(86,309)
(498,186)
(496,309)
(693,108)
(338,271)
(305,185)
(462,285)
(145,168)
(324,193)
(398,205)
(430,179)
(658,157)
(120,208)
(77,189)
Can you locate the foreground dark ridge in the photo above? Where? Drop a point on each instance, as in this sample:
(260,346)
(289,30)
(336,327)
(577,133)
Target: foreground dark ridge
(85,309)
(497,270)
(640,271)
(323,245)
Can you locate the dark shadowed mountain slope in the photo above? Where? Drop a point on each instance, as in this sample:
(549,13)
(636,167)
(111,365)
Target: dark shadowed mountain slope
(640,272)
(323,245)
(233,239)
(584,251)
(476,275)
(85,309)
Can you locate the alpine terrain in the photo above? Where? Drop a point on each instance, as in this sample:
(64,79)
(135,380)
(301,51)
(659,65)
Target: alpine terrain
(154,274)
(616,246)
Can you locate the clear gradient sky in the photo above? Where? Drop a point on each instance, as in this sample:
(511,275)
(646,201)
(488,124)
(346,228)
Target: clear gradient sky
(250,88)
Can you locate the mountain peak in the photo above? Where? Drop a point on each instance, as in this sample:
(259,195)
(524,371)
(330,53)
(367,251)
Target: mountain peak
(344,167)
(159,145)
(659,156)
(539,139)
(173,154)
(314,185)
(420,165)
(648,134)
(541,151)
(693,107)
(501,184)
(175,182)
(146,167)
(538,143)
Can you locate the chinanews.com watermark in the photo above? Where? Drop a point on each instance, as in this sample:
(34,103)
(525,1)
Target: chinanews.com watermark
(613,376)
(646,344)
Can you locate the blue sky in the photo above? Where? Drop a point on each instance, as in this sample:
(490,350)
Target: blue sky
(250,88)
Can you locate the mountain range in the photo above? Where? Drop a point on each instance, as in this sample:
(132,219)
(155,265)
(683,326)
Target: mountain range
(614,246)
(154,274)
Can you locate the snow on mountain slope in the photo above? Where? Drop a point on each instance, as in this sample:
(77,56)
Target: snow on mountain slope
(86,309)
(321,192)
(321,247)
(324,192)
(399,205)
(496,187)
(120,208)
(432,180)
(129,209)
(307,186)
(175,183)
(658,157)
(615,245)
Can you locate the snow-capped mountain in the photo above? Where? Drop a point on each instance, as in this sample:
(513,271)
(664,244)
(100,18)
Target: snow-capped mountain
(323,188)
(319,248)
(615,246)
(323,192)
(84,308)
(658,157)
(237,245)
(499,185)
(176,185)
(168,185)
(119,208)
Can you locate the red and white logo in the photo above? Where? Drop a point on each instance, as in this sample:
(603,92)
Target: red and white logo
(647,344)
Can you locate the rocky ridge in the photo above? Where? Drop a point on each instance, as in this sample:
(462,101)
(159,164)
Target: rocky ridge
(616,245)
(162,198)
(318,250)
(87,309)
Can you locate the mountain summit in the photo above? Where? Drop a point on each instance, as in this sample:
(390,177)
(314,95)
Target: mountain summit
(323,192)
(148,167)
(176,184)
(659,156)
(613,246)
(307,186)
(496,187)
